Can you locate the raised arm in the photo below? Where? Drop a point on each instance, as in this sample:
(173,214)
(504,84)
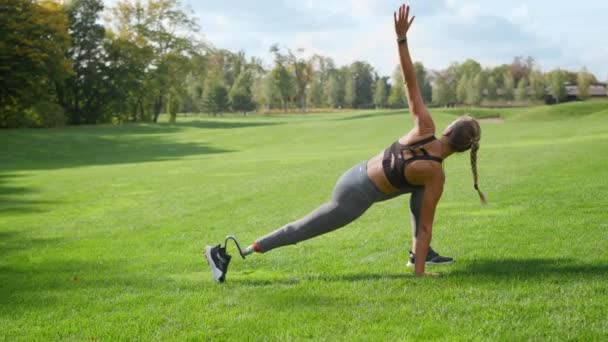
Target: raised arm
(422,117)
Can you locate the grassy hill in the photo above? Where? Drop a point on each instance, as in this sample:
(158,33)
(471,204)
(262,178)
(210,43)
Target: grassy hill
(102,230)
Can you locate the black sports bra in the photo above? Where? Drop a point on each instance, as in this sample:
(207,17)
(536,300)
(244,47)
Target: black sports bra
(396,173)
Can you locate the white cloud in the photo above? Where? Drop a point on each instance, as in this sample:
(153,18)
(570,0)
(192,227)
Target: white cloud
(557,33)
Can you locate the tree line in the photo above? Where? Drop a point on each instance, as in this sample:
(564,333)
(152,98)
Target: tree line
(76,62)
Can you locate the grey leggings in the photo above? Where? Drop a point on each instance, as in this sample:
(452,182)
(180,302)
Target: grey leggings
(353,194)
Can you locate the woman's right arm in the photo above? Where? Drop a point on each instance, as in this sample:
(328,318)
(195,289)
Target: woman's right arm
(422,117)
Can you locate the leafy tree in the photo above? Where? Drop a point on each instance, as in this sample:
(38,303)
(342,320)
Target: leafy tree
(85,94)
(334,91)
(508,85)
(443,94)
(165,29)
(323,68)
(521,91)
(423,83)
(265,94)
(521,67)
(314,93)
(491,88)
(216,100)
(241,95)
(350,89)
(361,88)
(381,92)
(474,90)
(282,78)
(537,83)
(557,88)
(304,74)
(583,81)
(470,68)
(461,90)
(33,42)
(397,97)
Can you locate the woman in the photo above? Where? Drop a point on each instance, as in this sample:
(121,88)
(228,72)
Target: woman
(413,164)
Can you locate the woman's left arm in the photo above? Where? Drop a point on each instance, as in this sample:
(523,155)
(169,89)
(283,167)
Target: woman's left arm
(433,188)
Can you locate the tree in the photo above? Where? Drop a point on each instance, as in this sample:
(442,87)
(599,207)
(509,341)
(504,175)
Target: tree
(323,68)
(281,77)
(556,85)
(359,85)
(216,100)
(164,28)
(521,67)
(537,83)
(423,83)
(443,93)
(583,81)
(508,85)
(470,68)
(334,91)
(491,88)
(85,93)
(33,43)
(303,72)
(461,90)
(474,90)
(521,91)
(381,92)
(315,92)
(240,95)
(397,97)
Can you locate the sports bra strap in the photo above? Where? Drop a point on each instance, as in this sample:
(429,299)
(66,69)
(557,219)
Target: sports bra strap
(394,164)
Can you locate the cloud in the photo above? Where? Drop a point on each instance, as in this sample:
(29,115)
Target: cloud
(557,33)
(265,16)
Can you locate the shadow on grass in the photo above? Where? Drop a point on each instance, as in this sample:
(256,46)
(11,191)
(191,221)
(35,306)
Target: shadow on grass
(44,150)
(212,124)
(371,115)
(12,197)
(367,277)
(529,268)
(478,271)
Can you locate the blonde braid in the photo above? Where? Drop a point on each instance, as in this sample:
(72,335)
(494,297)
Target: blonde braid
(474,148)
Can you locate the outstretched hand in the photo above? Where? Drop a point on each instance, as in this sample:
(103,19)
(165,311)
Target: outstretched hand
(403,21)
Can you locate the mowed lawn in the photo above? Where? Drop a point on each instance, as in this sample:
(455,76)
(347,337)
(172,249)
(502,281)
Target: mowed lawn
(102,231)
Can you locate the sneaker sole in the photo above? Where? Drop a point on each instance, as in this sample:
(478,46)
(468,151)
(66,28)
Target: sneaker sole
(430,263)
(215,272)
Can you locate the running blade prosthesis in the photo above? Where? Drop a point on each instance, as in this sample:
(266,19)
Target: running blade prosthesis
(218,259)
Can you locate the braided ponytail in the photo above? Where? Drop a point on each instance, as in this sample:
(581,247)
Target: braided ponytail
(474,149)
(465,135)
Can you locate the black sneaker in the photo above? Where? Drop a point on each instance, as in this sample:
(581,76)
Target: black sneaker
(218,261)
(432,258)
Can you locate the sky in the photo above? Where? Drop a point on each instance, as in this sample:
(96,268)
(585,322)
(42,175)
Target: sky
(565,34)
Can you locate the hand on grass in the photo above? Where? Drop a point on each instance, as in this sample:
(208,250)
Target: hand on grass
(428,275)
(403,21)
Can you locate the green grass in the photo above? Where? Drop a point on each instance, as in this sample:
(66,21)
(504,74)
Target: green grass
(101,232)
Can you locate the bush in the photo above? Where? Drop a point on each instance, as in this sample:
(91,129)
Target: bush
(42,114)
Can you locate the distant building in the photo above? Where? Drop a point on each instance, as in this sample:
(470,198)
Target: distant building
(572,93)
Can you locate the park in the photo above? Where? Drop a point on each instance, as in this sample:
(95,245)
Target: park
(113,181)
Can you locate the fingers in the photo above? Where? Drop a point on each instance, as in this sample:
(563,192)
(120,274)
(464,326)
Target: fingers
(411,21)
(403,15)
